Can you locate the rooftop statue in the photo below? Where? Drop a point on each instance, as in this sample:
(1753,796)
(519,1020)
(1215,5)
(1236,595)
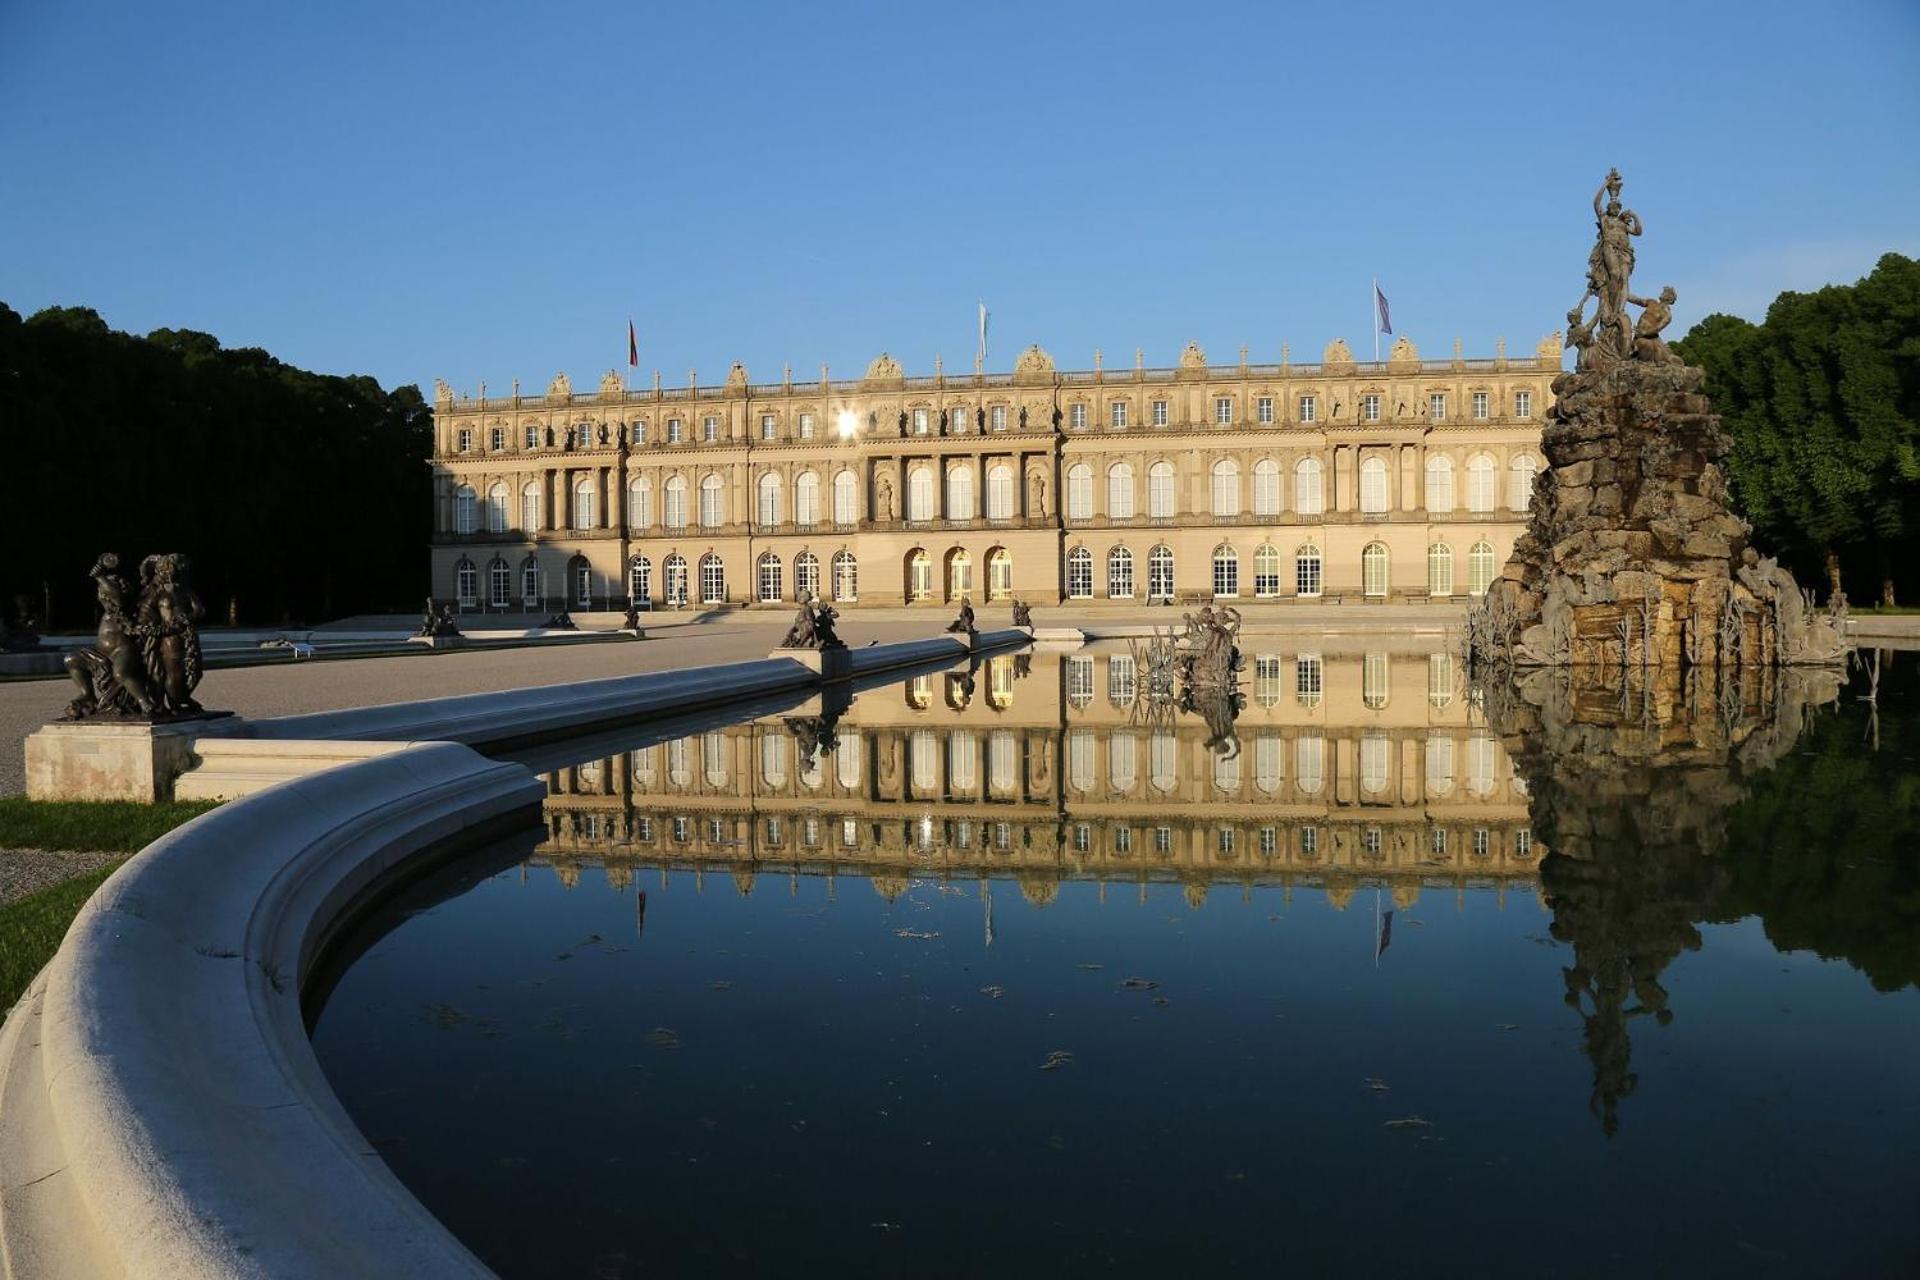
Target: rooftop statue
(145,661)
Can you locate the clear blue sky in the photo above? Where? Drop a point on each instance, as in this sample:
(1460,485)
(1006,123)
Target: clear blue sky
(486,191)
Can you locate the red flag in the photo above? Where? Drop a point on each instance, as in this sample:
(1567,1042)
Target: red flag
(633,346)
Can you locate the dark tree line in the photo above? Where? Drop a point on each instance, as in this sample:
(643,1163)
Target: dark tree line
(1823,402)
(299,496)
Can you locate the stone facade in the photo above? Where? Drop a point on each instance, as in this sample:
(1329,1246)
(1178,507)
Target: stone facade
(1343,480)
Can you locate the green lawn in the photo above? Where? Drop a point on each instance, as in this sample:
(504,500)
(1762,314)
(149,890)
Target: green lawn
(31,929)
(112,826)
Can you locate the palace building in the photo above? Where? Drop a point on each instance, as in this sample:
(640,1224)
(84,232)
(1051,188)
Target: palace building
(1404,480)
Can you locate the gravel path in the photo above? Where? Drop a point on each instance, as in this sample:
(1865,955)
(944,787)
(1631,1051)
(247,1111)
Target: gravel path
(27,871)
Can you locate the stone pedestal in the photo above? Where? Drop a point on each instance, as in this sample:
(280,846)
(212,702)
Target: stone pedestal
(117,760)
(828,664)
(438,642)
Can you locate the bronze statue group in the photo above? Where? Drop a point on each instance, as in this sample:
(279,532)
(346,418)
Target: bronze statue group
(145,660)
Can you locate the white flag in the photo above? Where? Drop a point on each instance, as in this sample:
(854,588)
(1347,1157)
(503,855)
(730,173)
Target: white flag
(983,334)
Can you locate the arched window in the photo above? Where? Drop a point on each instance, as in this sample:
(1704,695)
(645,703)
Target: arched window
(1266,571)
(846,577)
(676,509)
(499,578)
(1120,574)
(1163,759)
(769,500)
(1308,497)
(959,575)
(1373,569)
(1266,487)
(1520,481)
(767,578)
(1120,491)
(1373,681)
(1479,568)
(920,493)
(1160,573)
(1310,763)
(1226,488)
(1080,492)
(1373,762)
(1439,483)
(1226,571)
(463,509)
(530,582)
(1439,569)
(999,574)
(1439,679)
(497,508)
(1439,764)
(640,581)
(806,499)
(713,579)
(674,568)
(639,502)
(1480,483)
(846,498)
(806,576)
(1373,485)
(1080,574)
(919,575)
(1000,492)
(1306,570)
(960,492)
(1160,491)
(583,504)
(713,503)
(530,507)
(466,582)
(580,577)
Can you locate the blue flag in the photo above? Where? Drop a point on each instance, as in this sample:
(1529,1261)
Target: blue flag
(1380,303)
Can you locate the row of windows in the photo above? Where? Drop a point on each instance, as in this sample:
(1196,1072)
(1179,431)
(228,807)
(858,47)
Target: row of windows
(960,419)
(1268,567)
(1269,681)
(1308,487)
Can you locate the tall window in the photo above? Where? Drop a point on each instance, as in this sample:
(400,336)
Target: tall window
(1160,491)
(1266,571)
(767,578)
(1163,760)
(710,428)
(1117,415)
(530,583)
(1309,407)
(1079,681)
(639,502)
(713,580)
(676,431)
(466,439)
(919,575)
(676,508)
(1479,568)
(713,506)
(1439,569)
(1263,411)
(769,425)
(1077,416)
(1120,491)
(463,509)
(640,580)
(530,437)
(1226,572)
(1439,770)
(806,499)
(1374,749)
(1370,408)
(1306,571)
(1439,483)
(497,508)
(920,493)
(1159,413)
(1266,487)
(1373,681)
(1223,411)
(1266,680)
(1437,407)
(674,568)
(1000,492)
(958,419)
(1160,573)
(530,507)
(1308,497)
(919,422)
(1226,488)
(1373,485)
(466,582)
(1520,481)
(959,576)
(499,583)
(806,576)
(769,500)
(1439,679)
(583,505)
(846,498)
(999,574)
(1480,406)
(960,492)
(1308,680)
(846,577)
(1480,484)
(1120,574)
(1080,492)
(999,417)
(1523,404)
(1080,574)
(1373,569)
(582,584)
(806,426)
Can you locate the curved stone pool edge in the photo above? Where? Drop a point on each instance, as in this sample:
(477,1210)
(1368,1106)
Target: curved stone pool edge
(161,1108)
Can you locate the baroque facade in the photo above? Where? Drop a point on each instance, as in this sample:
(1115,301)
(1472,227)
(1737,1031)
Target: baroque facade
(1402,480)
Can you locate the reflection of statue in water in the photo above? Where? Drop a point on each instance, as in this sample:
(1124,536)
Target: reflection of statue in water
(1210,650)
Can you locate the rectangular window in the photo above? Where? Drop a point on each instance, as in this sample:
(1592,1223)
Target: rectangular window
(919,422)
(1266,679)
(676,431)
(1523,404)
(709,429)
(1159,413)
(1269,841)
(999,417)
(1079,681)
(767,422)
(1226,842)
(958,420)
(466,440)
(1117,414)
(1122,674)
(1077,417)
(1306,680)
(1264,410)
(1123,840)
(1226,575)
(1523,843)
(640,432)
(497,439)
(1307,408)
(1436,408)
(1481,842)
(1163,840)
(1479,406)
(806,426)
(1306,574)
(1370,408)
(1438,844)
(1080,576)
(1309,841)
(1223,411)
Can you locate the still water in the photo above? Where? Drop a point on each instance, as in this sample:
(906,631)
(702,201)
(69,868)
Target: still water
(1021,971)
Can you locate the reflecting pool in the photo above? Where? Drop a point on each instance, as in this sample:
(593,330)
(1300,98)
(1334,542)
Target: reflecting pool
(1024,969)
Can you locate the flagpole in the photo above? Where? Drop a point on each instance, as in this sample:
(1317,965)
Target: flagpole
(1375,302)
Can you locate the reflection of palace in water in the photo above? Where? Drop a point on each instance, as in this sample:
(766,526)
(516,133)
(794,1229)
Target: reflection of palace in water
(1344,767)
